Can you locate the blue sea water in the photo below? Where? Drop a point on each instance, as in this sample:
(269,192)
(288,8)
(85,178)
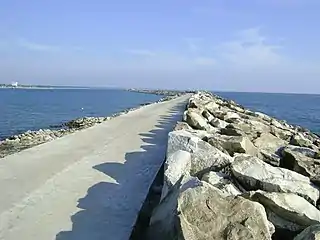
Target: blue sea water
(298,109)
(32,109)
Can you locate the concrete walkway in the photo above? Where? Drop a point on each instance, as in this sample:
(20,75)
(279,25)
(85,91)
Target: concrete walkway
(87,185)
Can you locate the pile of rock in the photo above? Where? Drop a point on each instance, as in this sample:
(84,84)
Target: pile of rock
(231,173)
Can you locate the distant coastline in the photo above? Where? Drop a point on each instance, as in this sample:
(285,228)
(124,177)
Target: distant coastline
(44,87)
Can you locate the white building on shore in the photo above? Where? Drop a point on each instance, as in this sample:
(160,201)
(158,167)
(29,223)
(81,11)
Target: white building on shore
(14,84)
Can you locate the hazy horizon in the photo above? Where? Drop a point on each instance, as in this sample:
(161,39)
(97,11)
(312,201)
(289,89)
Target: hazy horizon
(219,45)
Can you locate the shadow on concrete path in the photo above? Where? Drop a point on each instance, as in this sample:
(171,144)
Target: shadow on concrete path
(106,206)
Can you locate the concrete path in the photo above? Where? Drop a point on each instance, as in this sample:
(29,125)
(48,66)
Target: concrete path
(87,185)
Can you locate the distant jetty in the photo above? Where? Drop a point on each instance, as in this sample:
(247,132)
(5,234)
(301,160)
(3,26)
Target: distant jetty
(161,91)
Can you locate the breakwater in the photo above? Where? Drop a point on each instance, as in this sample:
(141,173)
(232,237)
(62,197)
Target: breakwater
(231,173)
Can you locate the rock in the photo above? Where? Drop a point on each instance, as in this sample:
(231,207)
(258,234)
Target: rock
(216,122)
(195,120)
(176,165)
(280,133)
(310,233)
(207,115)
(277,124)
(232,218)
(300,163)
(163,220)
(230,130)
(263,116)
(235,144)
(302,150)
(299,140)
(203,212)
(182,126)
(255,174)
(204,157)
(222,182)
(269,146)
(289,207)
(211,107)
(231,115)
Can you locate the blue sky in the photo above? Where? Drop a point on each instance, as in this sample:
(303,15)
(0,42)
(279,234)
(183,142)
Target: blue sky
(230,45)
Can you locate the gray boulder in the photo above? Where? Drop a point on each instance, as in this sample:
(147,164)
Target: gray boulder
(297,161)
(290,207)
(195,120)
(222,182)
(235,144)
(255,174)
(216,122)
(176,165)
(299,140)
(269,146)
(310,233)
(232,218)
(204,213)
(204,157)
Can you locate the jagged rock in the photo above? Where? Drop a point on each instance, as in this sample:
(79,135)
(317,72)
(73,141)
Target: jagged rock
(255,174)
(231,115)
(298,162)
(263,116)
(281,133)
(195,120)
(269,146)
(288,206)
(222,182)
(203,212)
(299,140)
(211,107)
(204,157)
(216,122)
(310,233)
(234,144)
(163,219)
(176,165)
(231,130)
(182,126)
(207,115)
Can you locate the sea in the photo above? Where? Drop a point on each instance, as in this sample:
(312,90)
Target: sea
(34,109)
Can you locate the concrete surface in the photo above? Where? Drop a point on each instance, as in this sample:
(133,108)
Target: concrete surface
(87,185)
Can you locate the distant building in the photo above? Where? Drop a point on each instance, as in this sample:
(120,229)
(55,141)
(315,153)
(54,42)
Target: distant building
(14,84)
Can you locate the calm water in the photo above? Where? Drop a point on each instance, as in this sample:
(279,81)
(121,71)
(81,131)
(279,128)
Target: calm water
(21,109)
(299,109)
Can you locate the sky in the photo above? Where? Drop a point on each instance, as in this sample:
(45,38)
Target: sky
(222,45)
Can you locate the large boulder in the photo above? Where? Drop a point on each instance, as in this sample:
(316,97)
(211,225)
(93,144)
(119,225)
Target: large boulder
(204,157)
(222,182)
(204,213)
(176,165)
(269,146)
(310,233)
(299,140)
(295,160)
(195,120)
(234,144)
(255,174)
(289,207)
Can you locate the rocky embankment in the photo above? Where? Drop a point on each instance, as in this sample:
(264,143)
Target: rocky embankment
(231,173)
(160,92)
(29,139)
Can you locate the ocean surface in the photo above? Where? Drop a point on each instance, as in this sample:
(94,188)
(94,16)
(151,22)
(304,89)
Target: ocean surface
(298,109)
(33,109)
